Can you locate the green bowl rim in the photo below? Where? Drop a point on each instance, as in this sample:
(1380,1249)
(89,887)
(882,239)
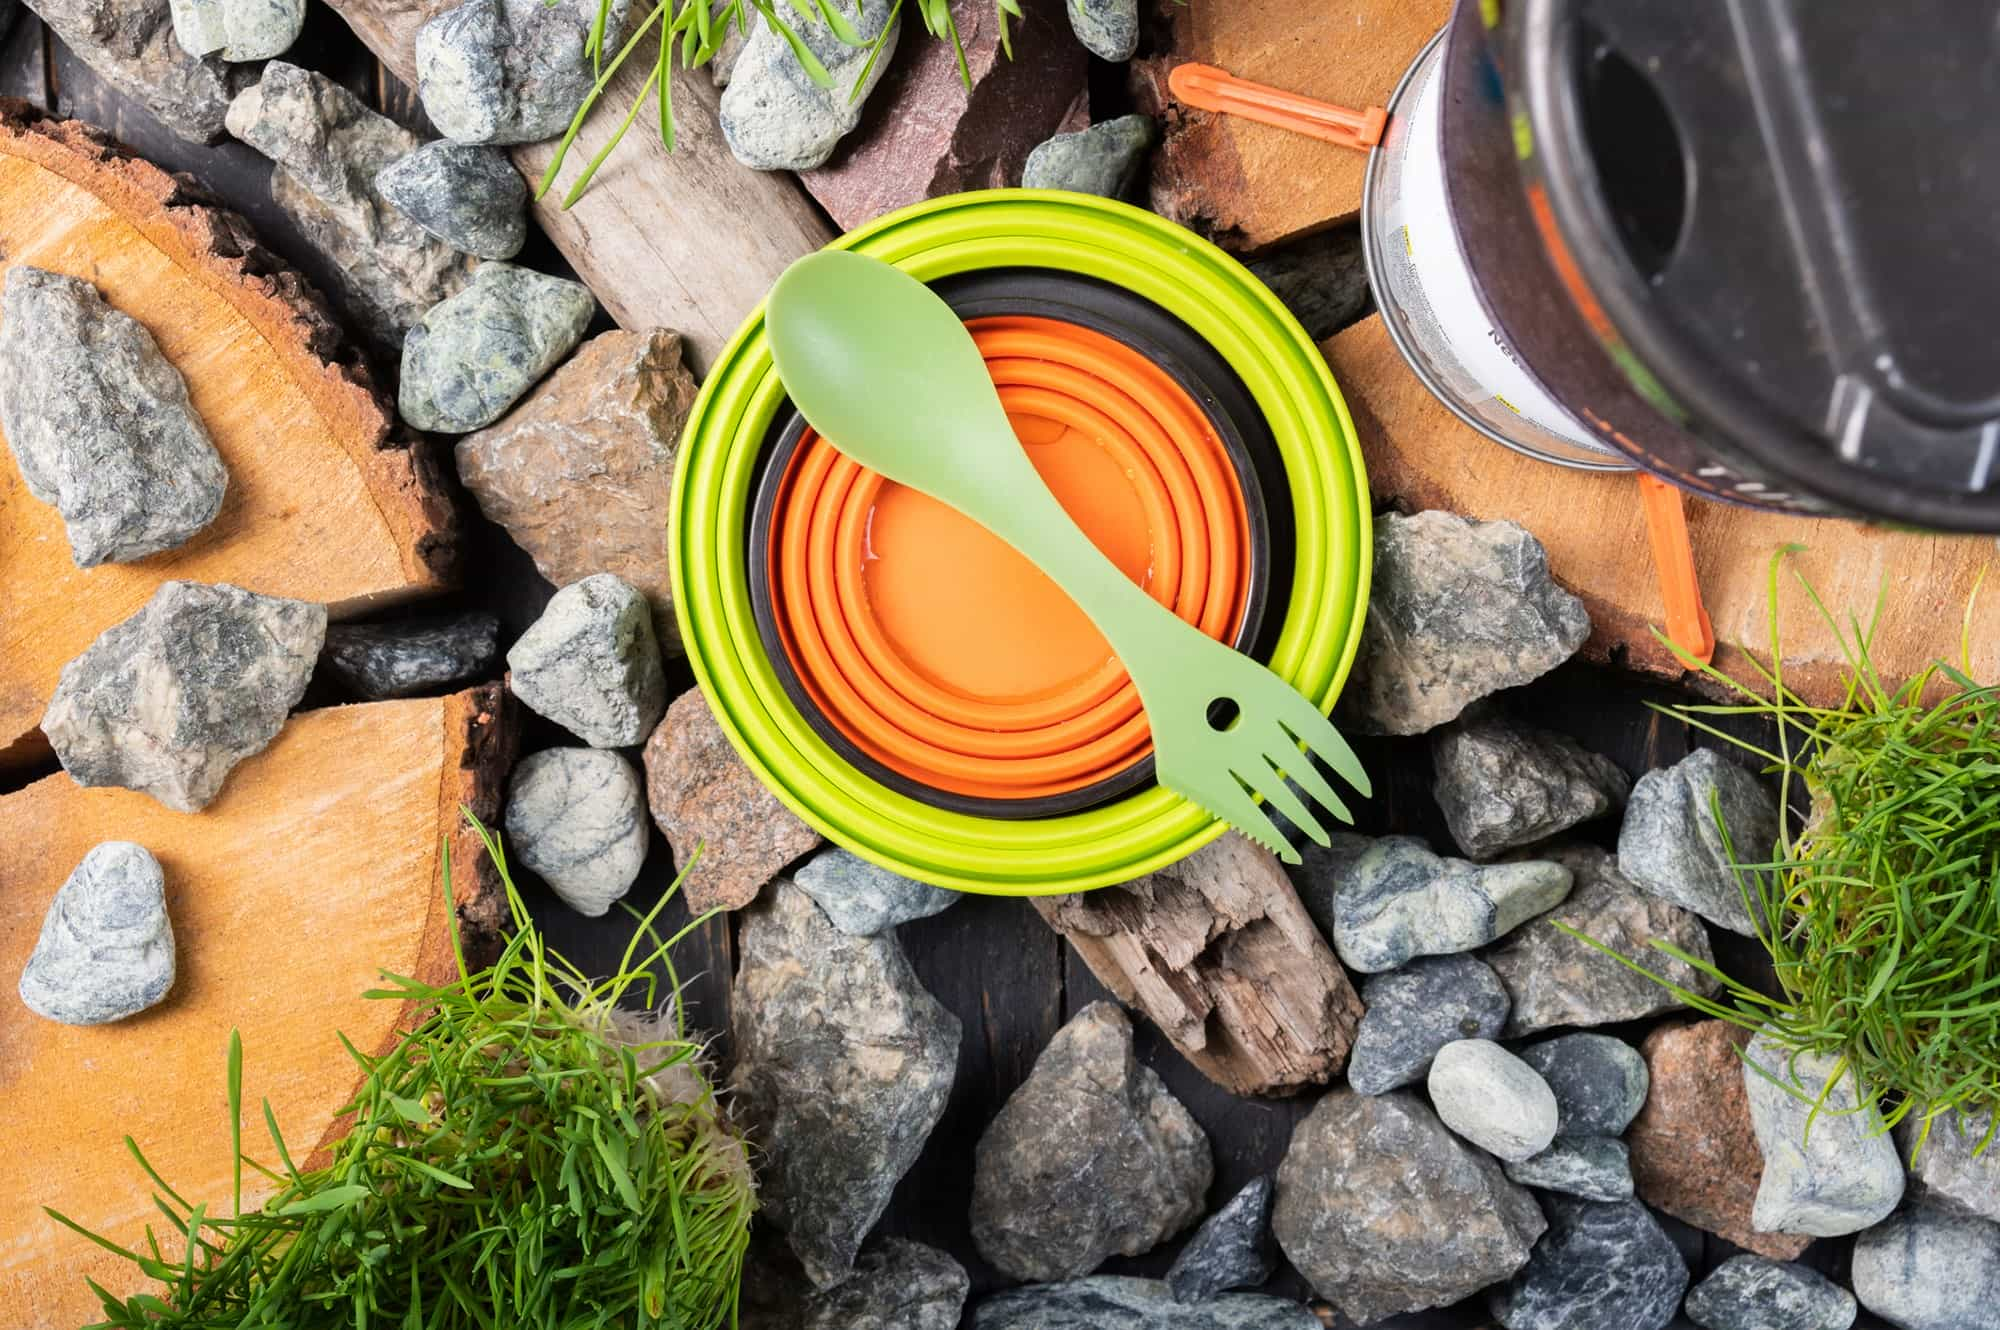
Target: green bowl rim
(1224,303)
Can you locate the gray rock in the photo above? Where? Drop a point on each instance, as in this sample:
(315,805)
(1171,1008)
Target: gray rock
(1231,1249)
(1956,1168)
(1756,1293)
(1114,1302)
(471,356)
(1324,870)
(377,661)
(862,899)
(844,1064)
(100,423)
(775,117)
(1600,1083)
(106,949)
(1670,843)
(1459,610)
(1415,1011)
(1493,1099)
(1502,784)
(9,11)
(1104,159)
(592,665)
(1554,979)
(329,148)
(1841,1173)
(1385,1211)
(1928,1270)
(577,818)
(1599,1267)
(130,45)
(1322,278)
(510,71)
(1108,29)
(1597,1168)
(237,30)
(167,701)
(467,195)
(1090,1158)
(1400,901)
(897,1286)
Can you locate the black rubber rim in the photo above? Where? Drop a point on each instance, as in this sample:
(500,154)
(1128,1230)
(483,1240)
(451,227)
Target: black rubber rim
(1200,371)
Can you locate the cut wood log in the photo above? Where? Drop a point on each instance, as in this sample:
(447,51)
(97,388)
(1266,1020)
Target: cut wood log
(689,239)
(1249,186)
(1219,952)
(323,503)
(1421,456)
(316,870)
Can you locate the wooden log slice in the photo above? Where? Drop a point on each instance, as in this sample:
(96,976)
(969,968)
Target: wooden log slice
(1422,456)
(314,871)
(323,504)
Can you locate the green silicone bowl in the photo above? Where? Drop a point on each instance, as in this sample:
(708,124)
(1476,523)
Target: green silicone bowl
(1077,233)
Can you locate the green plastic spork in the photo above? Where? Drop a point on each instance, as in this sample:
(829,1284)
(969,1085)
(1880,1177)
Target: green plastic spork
(883,369)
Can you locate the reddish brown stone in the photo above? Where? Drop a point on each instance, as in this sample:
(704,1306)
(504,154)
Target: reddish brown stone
(702,795)
(1693,1152)
(581,472)
(925,134)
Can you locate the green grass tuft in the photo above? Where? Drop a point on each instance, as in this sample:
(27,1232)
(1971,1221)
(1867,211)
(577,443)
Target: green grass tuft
(1883,907)
(528,1157)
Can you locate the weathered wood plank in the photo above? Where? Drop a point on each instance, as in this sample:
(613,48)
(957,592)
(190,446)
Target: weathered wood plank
(688,240)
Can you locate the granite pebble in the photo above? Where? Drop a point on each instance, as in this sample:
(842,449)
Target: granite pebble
(577,818)
(106,949)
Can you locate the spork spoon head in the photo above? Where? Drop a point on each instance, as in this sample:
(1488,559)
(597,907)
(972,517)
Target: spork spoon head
(882,368)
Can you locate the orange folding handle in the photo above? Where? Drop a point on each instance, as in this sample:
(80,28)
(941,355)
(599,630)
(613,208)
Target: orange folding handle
(1212,89)
(1673,557)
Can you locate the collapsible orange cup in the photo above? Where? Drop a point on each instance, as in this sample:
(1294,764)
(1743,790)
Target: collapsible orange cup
(939,653)
(1053,396)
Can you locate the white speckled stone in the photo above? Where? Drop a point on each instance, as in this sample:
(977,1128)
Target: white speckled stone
(1493,1099)
(106,949)
(577,817)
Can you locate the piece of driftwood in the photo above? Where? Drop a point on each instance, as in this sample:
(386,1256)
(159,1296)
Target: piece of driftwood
(323,504)
(314,871)
(1221,955)
(689,240)
(1421,456)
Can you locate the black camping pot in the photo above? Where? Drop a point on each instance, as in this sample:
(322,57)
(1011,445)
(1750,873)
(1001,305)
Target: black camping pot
(1751,248)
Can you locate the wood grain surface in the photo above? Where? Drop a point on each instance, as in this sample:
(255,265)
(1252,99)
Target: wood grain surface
(322,505)
(689,239)
(316,869)
(1422,456)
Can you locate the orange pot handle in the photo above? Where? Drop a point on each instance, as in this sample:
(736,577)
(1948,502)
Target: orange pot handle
(1212,89)
(1673,558)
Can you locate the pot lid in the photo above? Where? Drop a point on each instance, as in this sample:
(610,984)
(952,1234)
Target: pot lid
(1787,210)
